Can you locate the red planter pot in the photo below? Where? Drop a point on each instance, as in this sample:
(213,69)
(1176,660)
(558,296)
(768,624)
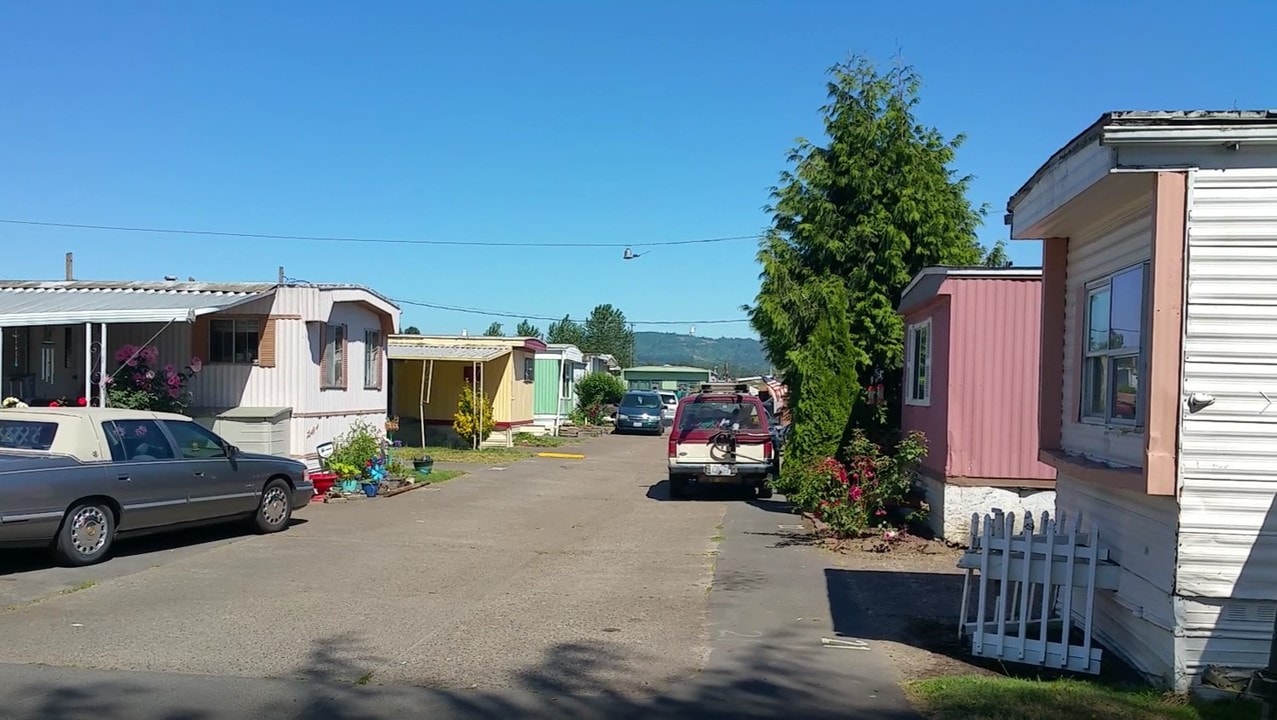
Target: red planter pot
(323,483)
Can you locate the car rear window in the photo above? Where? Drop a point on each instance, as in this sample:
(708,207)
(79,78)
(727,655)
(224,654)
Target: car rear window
(715,414)
(27,434)
(635,400)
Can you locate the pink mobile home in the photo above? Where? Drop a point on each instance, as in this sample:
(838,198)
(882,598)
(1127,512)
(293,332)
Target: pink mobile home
(971,386)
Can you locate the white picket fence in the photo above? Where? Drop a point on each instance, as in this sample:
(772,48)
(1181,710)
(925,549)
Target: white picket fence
(1029,588)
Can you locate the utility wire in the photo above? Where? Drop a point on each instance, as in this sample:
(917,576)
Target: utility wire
(524,316)
(379,241)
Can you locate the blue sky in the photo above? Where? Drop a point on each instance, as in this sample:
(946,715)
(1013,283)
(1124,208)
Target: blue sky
(567,122)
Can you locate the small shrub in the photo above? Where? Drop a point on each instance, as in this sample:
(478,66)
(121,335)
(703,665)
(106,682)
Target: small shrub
(600,389)
(353,451)
(866,491)
(473,420)
(139,384)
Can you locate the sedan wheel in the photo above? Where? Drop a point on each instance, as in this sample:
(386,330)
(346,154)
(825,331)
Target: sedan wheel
(86,534)
(276,508)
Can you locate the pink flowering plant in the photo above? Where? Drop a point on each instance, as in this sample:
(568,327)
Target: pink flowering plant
(865,491)
(139,382)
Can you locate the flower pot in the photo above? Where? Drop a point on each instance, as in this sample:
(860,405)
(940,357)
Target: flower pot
(323,482)
(350,485)
(370,489)
(423,466)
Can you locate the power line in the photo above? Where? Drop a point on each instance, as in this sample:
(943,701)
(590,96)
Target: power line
(379,241)
(524,316)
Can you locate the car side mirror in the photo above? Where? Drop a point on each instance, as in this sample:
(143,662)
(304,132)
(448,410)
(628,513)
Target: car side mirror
(232,451)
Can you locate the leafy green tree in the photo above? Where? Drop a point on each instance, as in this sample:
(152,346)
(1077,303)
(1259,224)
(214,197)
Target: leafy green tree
(566,331)
(997,256)
(599,388)
(872,205)
(606,331)
(494,330)
(527,329)
(410,330)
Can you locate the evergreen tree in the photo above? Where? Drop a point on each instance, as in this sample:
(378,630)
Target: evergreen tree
(606,331)
(566,331)
(869,208)
(527,329)
(494,330)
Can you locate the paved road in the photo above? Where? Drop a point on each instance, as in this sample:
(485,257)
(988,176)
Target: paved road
(552,589)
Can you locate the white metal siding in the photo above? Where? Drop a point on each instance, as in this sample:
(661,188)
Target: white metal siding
(1227,568)
(1118,243)
(1061,184)
(1138,530)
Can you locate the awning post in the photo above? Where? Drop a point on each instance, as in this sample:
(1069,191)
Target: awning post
(101,371)
(421,403)
(88,360)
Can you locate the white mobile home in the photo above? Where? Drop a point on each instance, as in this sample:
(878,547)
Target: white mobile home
(283,367)
(1159,375)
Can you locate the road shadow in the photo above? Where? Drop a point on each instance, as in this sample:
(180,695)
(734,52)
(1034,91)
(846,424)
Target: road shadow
(14,561)
(580,680)
(922,610)
(661,491)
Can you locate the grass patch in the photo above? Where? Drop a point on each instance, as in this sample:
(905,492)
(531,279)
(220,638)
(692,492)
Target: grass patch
(993,698)
(462,455)
(440,476)
(364,679)
(77,588)
(540,441)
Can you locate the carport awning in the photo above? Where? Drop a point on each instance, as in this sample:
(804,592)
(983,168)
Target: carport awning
(26,307)
(459,353)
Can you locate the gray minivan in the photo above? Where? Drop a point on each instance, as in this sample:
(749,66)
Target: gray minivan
(641,411)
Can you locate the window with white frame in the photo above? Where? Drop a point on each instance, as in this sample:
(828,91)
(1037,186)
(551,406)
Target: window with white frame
(565,389)
(372,359)
(1114,355)
(334,364)
(918,364)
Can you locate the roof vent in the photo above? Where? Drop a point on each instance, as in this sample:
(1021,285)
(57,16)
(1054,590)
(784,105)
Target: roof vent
(464,333)
(170,278)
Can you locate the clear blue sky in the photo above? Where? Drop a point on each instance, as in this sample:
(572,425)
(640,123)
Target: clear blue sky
(530,123)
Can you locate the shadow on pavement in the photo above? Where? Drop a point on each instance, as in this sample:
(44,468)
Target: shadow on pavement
(661,491)
(14,561)
(573,680)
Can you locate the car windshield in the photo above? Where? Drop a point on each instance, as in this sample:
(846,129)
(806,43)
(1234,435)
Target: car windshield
(634,400)
(27,435)
(713,414)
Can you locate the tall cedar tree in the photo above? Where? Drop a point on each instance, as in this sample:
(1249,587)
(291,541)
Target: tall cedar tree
(869,208)
(607,331)
(527,329)
(494,330)
(566,331)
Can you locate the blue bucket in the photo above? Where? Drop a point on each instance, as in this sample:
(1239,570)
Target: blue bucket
(370,489)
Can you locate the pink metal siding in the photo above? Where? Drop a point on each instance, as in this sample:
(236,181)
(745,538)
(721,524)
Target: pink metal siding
(931,419)
(993,370)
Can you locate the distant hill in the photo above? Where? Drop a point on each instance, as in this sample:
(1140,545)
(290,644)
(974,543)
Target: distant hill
(744,356)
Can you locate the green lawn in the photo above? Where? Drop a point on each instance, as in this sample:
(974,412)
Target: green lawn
(463,455)
(439,476)
(540,441)
(994,698)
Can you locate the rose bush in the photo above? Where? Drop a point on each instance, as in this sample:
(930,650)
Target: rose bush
(868,490)
(138,384)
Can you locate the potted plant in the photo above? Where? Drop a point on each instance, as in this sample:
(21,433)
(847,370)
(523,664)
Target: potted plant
(347,473)
(423,465)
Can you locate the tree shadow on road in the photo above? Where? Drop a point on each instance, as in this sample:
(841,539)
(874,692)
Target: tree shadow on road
(572,680)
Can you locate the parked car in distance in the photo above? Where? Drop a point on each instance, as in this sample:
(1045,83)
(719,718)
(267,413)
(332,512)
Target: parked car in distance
(75,479)
(722,436)
(641,410)
(671,406)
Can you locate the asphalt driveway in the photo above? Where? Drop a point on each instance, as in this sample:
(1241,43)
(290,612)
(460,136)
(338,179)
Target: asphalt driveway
(554,588)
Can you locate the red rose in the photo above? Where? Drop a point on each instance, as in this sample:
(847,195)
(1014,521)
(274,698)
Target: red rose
(82,402)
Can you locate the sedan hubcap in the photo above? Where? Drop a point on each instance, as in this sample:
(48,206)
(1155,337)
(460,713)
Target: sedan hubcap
(274,506)
(88,531)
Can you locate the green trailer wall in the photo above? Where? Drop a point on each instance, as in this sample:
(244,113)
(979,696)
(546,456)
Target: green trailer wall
(678,380)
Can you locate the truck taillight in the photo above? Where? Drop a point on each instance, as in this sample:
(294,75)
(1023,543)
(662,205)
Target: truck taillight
(767,450)
(673,445)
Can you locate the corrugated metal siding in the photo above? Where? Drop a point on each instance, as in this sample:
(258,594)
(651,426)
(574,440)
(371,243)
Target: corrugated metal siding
(1116,244)
(932,420)
(1139,531)
(993,387)
(1228,450)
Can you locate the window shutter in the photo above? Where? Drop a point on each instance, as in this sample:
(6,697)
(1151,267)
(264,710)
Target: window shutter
(926,380)
(266,343)
(325,359)
(910,340)
(201,330)
(345,356)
